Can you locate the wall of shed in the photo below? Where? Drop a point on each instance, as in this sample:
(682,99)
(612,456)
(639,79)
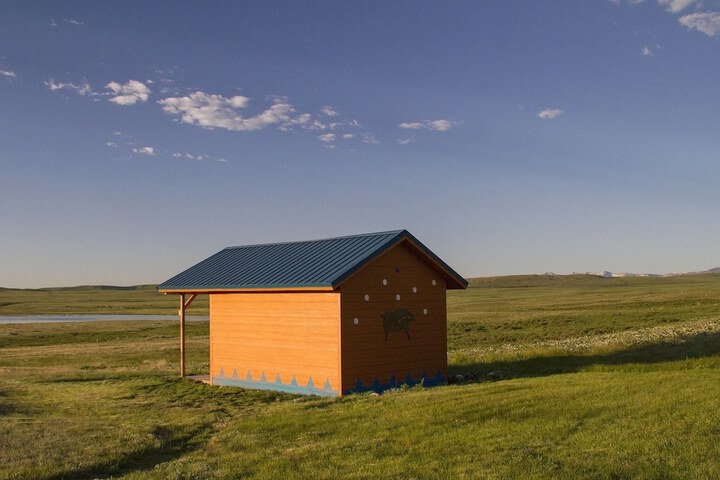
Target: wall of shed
(276,341)
(396,280)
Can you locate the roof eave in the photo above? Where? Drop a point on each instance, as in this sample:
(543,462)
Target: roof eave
(245,289)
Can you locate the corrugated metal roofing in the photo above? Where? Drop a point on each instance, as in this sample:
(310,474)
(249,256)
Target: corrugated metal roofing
(308,264)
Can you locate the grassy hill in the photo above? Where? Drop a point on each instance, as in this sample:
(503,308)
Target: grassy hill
(139,299)
(564,381)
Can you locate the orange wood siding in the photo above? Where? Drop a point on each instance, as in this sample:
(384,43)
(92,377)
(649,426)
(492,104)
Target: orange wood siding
(366,354)
(286,334)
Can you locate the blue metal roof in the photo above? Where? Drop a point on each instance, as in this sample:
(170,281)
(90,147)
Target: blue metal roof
(308,264)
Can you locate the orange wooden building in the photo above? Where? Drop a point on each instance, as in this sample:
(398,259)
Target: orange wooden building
(325,317)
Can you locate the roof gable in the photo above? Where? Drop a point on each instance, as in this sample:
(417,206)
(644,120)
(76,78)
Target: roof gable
(315,264)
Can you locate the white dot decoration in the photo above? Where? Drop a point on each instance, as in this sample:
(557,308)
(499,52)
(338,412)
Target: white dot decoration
(434,283)
(385,281)
(356,320)
(424,311)
(367,297)
(414,289)
(397,297)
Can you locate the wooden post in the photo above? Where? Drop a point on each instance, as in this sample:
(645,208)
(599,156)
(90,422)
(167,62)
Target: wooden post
(183,306)
(182,335)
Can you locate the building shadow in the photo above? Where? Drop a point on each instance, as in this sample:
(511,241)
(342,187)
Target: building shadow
(698,345)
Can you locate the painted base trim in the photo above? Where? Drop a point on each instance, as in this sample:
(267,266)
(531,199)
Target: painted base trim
(278,386)
(376,386)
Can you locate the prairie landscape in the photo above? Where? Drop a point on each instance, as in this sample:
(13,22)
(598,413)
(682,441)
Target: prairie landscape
(551,377)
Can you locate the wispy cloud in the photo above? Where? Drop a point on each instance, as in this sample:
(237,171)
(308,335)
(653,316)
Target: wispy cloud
(329,111)
(647,52)
(8,73)
(129,93)
(550,113)
(706,22)
(69,21)
(327,138)
(199,157)
(145,151)
(79,88)
(676,6)
(369,138)
(435,125)
(72,21)
(215,111)
(405,141)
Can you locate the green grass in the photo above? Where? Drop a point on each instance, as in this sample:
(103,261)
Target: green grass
(566,381)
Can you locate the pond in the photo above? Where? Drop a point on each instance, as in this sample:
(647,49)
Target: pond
(4,319)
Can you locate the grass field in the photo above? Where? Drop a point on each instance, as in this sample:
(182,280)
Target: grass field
(552,378)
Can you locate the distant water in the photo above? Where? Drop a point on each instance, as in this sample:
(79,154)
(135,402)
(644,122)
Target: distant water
(89,318)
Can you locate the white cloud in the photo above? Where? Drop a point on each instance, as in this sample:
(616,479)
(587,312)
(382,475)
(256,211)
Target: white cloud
(329,111)
(550,113)
(434,125)
(412,125)
(441,125)
(111,144)
(328,137)
(647,52)
(676,6)
(304,121)
(129,93)
(72,21)
(215,111)
(405,141)
(706,22)
(348,136)
(80,89)
(145,150)
(8,73)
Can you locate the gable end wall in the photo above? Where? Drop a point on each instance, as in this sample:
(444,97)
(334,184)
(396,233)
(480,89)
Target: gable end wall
(379,296)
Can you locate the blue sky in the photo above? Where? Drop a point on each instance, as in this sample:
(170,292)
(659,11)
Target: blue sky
(137,138)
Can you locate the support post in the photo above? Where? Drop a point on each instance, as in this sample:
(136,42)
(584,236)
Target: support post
(182,335)
(183,306)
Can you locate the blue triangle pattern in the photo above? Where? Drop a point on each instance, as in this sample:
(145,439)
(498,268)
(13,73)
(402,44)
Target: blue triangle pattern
(277,385)
(438,379)
(376,385)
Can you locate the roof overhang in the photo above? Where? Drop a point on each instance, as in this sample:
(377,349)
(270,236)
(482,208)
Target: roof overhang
(179,290)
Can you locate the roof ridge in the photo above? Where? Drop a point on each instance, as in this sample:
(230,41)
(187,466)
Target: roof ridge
(295,242)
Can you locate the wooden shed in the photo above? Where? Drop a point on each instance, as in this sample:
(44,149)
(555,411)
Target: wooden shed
(325,317)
